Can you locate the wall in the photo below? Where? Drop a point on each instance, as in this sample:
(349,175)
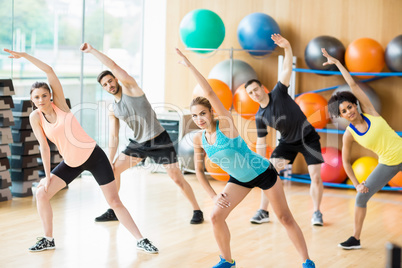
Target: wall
(299,21)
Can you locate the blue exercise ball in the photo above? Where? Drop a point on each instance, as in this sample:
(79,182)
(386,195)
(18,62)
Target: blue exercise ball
(254,33)
(186,151)
(202,28)
(313,55)
(393,54)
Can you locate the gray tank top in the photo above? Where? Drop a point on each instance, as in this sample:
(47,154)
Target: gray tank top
(139,116)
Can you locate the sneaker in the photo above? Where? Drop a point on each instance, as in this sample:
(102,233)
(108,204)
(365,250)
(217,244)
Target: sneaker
(198,217)
(260,217)
(107,216)
(225,264)
(309,264)
(351,243)
(146,245)
(316,220)
(43,244)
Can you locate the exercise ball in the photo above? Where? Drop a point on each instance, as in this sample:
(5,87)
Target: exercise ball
(254,33)
(332,169)
(313,54)
(364,55)
(186,150)
(342,123)
(243,104)
(202,28)
(315,108)
(242,73)
(253,147)
(221,90)
(396,181)
(215,171)
(363,167)
(393,54)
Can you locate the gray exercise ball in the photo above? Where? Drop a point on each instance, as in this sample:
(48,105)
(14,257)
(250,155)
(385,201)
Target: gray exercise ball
(342,123)
(393,54)
(242,73)
(186,150)
(313,55)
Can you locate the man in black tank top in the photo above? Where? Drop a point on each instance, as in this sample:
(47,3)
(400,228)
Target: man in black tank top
(279,111)
(150,139)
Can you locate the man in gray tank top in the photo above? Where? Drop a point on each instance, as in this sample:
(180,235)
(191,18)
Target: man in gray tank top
(150,139)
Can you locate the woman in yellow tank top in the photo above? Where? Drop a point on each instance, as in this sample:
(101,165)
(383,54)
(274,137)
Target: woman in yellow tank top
(371,131)
(54,120)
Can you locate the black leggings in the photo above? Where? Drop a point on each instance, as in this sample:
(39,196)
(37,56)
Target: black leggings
(98,164)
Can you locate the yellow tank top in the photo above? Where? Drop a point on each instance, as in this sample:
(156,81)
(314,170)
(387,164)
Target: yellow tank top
(379,138)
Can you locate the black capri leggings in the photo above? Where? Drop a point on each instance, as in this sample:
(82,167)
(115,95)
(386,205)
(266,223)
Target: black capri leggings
(98,164)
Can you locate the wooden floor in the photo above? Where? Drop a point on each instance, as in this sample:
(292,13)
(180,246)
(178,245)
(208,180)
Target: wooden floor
(163,214)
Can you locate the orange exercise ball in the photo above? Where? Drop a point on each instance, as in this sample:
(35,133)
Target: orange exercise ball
(243,104)
(253,147)
(315,108)
(365,55)
(215,171)
(396,181)
(221,90)
(363,167)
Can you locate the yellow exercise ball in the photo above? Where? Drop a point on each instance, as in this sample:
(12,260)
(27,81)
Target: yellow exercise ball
(363,167)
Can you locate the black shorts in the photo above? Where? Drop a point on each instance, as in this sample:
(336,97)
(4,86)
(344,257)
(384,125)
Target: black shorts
(160,149)
(97,163)
(309,146)
(265,180)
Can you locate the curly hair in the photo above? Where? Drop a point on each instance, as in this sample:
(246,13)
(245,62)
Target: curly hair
(337,99)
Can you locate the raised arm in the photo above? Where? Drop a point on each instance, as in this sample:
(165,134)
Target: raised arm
(34,120)
(208,92)
(127,80)
(54,82)
(347,141)
(219,199)
(364,101)
(286,72)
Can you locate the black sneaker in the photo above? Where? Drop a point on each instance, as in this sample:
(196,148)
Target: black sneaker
(107,216)
(351,243)
(42,244)
(146,245)
(198,217)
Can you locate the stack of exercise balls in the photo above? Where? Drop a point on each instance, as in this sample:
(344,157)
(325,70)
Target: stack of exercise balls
(254,33)
(313,54)
(202,28)
(315,108)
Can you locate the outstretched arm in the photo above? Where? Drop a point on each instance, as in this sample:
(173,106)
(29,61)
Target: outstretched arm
(219,199)
(286,72)
(54,82)
(127,80)
(347,141)
(364,101)
(34,120)
(209,93)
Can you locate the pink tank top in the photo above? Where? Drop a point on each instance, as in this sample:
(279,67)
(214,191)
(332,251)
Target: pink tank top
(73,143)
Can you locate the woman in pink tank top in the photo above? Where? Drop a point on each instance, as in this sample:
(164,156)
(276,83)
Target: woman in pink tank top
(54,120)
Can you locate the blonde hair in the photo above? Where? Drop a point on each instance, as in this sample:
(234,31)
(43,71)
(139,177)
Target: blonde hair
(201,101)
